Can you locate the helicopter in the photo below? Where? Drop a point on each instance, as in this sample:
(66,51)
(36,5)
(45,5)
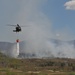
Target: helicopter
(17,28)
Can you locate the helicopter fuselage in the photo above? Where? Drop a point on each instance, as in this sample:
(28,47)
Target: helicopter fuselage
(17,29)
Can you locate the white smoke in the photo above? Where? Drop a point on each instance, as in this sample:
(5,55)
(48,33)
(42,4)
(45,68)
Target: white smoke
(38,32)
(64,49)
(39,26)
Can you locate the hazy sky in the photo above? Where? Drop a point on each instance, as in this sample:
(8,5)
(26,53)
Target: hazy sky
(46,18)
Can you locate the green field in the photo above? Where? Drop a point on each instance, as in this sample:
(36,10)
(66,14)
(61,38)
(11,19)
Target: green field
(55,66)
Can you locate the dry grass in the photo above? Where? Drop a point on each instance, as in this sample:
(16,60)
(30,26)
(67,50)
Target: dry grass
(56,66)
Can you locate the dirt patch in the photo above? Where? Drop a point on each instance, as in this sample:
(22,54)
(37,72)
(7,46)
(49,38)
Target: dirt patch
(33,72)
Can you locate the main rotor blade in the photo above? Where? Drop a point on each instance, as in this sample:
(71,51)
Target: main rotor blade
(11,25)
(16,25)
(24,26)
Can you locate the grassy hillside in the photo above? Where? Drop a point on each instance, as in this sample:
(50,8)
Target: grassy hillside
(56,66)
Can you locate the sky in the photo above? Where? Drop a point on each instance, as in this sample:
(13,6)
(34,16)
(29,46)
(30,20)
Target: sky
(45,19)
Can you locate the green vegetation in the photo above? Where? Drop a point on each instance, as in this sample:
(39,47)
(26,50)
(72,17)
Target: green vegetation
(55,66)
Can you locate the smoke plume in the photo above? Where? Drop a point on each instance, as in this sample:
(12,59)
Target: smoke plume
(39,30)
